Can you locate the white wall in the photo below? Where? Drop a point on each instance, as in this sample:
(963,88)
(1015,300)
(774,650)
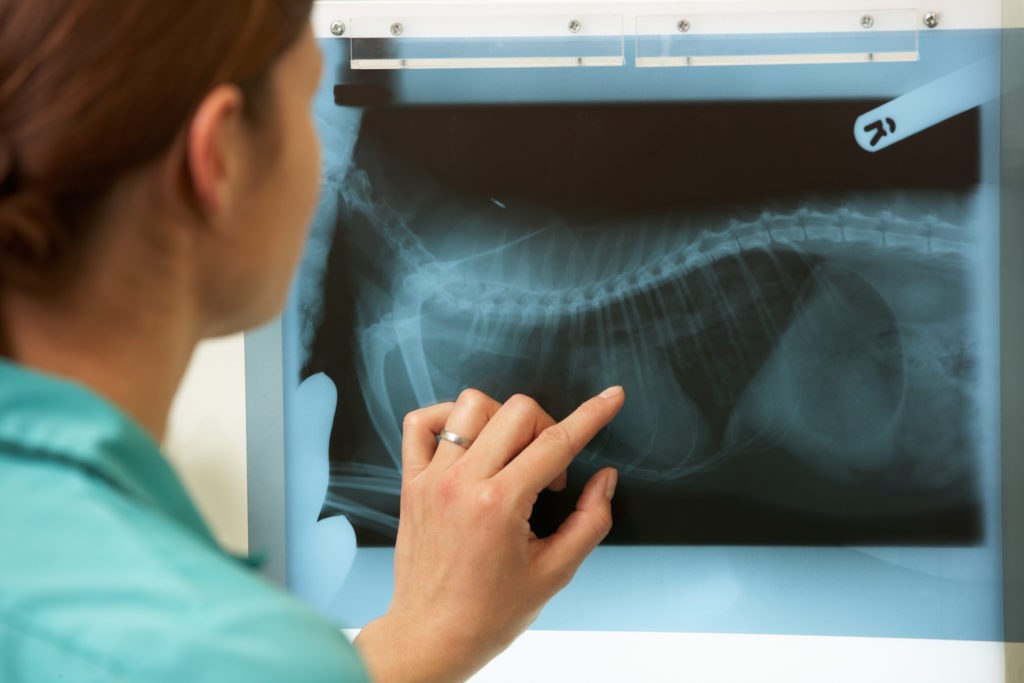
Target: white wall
(206,438)
(1013,13)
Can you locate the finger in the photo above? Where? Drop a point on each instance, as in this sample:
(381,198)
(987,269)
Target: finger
(563,552)
(514,426)
(560,482)
(473,410)
(551,453)
(419,437)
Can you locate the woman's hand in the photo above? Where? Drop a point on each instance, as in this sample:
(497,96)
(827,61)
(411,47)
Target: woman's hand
(470,575)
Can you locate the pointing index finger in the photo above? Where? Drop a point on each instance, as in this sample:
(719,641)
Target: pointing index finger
(552,452)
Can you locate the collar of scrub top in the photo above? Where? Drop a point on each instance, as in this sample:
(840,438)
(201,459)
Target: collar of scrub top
(44,417)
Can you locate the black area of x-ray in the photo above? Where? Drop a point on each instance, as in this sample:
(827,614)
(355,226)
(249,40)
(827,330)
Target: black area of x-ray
(791,317)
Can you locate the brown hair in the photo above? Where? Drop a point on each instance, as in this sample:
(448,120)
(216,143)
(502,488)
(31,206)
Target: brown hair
(91,89)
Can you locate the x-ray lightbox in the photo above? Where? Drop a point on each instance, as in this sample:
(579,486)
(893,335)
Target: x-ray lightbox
(779,230)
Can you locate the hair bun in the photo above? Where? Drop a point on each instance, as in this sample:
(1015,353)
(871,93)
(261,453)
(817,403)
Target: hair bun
(6,164)
(29,229)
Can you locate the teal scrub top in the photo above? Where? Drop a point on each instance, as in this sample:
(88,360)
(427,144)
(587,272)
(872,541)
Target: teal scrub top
(108,573)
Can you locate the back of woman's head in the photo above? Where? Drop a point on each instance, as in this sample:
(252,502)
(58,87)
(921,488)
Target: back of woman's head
(92,89)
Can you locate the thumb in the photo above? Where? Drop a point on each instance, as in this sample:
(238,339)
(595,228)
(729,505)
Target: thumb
(565,550)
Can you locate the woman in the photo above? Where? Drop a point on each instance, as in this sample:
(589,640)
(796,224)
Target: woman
(157,165)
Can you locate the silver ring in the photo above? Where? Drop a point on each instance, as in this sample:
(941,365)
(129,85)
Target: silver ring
(455,439)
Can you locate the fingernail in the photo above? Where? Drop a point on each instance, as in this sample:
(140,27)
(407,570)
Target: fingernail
(611,392)
(613,479)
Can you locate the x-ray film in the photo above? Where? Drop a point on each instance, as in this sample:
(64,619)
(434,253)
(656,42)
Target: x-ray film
(804,329)
(796,339)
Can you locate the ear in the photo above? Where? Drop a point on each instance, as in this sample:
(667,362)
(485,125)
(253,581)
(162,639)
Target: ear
(213,148)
